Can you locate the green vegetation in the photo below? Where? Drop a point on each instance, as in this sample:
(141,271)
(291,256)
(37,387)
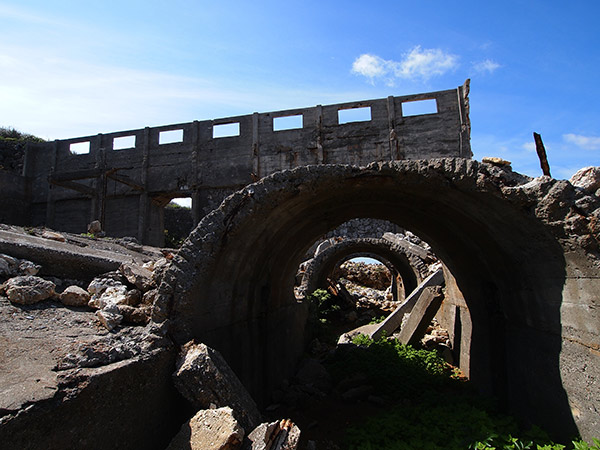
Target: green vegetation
(10,134)
(432,407)
(172,241)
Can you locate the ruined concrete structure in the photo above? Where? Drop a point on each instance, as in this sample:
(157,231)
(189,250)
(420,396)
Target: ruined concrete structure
(124,179)
(521,256)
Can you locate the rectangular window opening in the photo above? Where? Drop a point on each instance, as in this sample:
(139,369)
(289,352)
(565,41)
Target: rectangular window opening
(124,142)
(170,137)
(226,130)
(419,107)
(80,148)
(287,123)
(362,114)
(180,202)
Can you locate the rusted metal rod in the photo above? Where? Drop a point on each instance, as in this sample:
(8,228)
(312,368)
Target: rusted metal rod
(541,151)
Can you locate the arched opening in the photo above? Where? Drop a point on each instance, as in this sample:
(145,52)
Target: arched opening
(233,278)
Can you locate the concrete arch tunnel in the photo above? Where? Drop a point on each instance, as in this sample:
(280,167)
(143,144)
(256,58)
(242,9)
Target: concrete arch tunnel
(231,284)
(394,257)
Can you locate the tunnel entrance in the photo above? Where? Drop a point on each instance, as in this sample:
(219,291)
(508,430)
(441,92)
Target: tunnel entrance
(231,286)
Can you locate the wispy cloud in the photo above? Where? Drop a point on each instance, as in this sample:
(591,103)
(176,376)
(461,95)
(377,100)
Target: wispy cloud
(585,142)
(418,63)
(486,66)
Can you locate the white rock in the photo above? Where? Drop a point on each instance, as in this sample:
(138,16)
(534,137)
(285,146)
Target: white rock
(75,296)
(209,429)
(587,179)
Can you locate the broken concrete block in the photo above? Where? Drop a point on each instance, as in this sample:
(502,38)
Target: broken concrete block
(137,275)
(282,435)
(29,289)
(496,161)
(75,296)
(423,312)
(203,377)
(109,317)
(394,320)
(209,429)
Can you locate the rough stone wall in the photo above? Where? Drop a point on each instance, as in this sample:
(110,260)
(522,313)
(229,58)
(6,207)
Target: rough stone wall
(125,178)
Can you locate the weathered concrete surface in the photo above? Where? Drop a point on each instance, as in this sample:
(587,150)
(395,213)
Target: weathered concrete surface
(127,188)
(204,379)
(65,383)
(78,257)
(399,260)
(524,257)
(421,315)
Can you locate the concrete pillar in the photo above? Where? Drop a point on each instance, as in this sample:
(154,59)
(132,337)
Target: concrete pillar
(144,207)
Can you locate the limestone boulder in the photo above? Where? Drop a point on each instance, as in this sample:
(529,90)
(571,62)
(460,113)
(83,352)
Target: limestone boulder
(131,314)
(587,179)
(75,296)
(137,275)
(209,429)
(203,377)
(282,435)
(29,289)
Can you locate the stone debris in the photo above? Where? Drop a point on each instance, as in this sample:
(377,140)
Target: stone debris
(110,317)
(281,435)
(140,277)
(203,377)
(52,235)
(29,289)
(12,267)
(496,161)
(587,179)
(74,296)
(209,429)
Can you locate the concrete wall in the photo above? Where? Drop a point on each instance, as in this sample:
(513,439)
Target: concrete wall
(126,188)
(14,199)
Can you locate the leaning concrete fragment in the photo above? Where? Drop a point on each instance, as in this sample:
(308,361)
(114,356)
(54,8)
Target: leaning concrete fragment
(209,429)
(203,377)
(282,435)
(423,312)
(29,289)
(394,320)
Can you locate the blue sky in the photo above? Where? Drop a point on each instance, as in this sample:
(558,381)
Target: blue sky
(72,69)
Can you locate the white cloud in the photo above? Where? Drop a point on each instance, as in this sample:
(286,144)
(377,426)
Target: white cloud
(416,64)
(528,146)
(486,66)
(585,142)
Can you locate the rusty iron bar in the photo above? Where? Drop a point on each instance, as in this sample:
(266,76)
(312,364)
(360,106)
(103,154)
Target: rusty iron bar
(541,151)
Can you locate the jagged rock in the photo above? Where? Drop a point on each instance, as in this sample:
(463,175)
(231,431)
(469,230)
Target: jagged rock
(113,295)
(134,315)
(203,377)
(75,296)
(282,435)
(29,268)
(149,297)
(28,289)
(138,276)
(53,236)
(109,317)
(209,429)
(587,179)
(95,227)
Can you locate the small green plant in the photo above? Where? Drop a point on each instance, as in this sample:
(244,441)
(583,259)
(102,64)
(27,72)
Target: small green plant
(377,320)
(362,340)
